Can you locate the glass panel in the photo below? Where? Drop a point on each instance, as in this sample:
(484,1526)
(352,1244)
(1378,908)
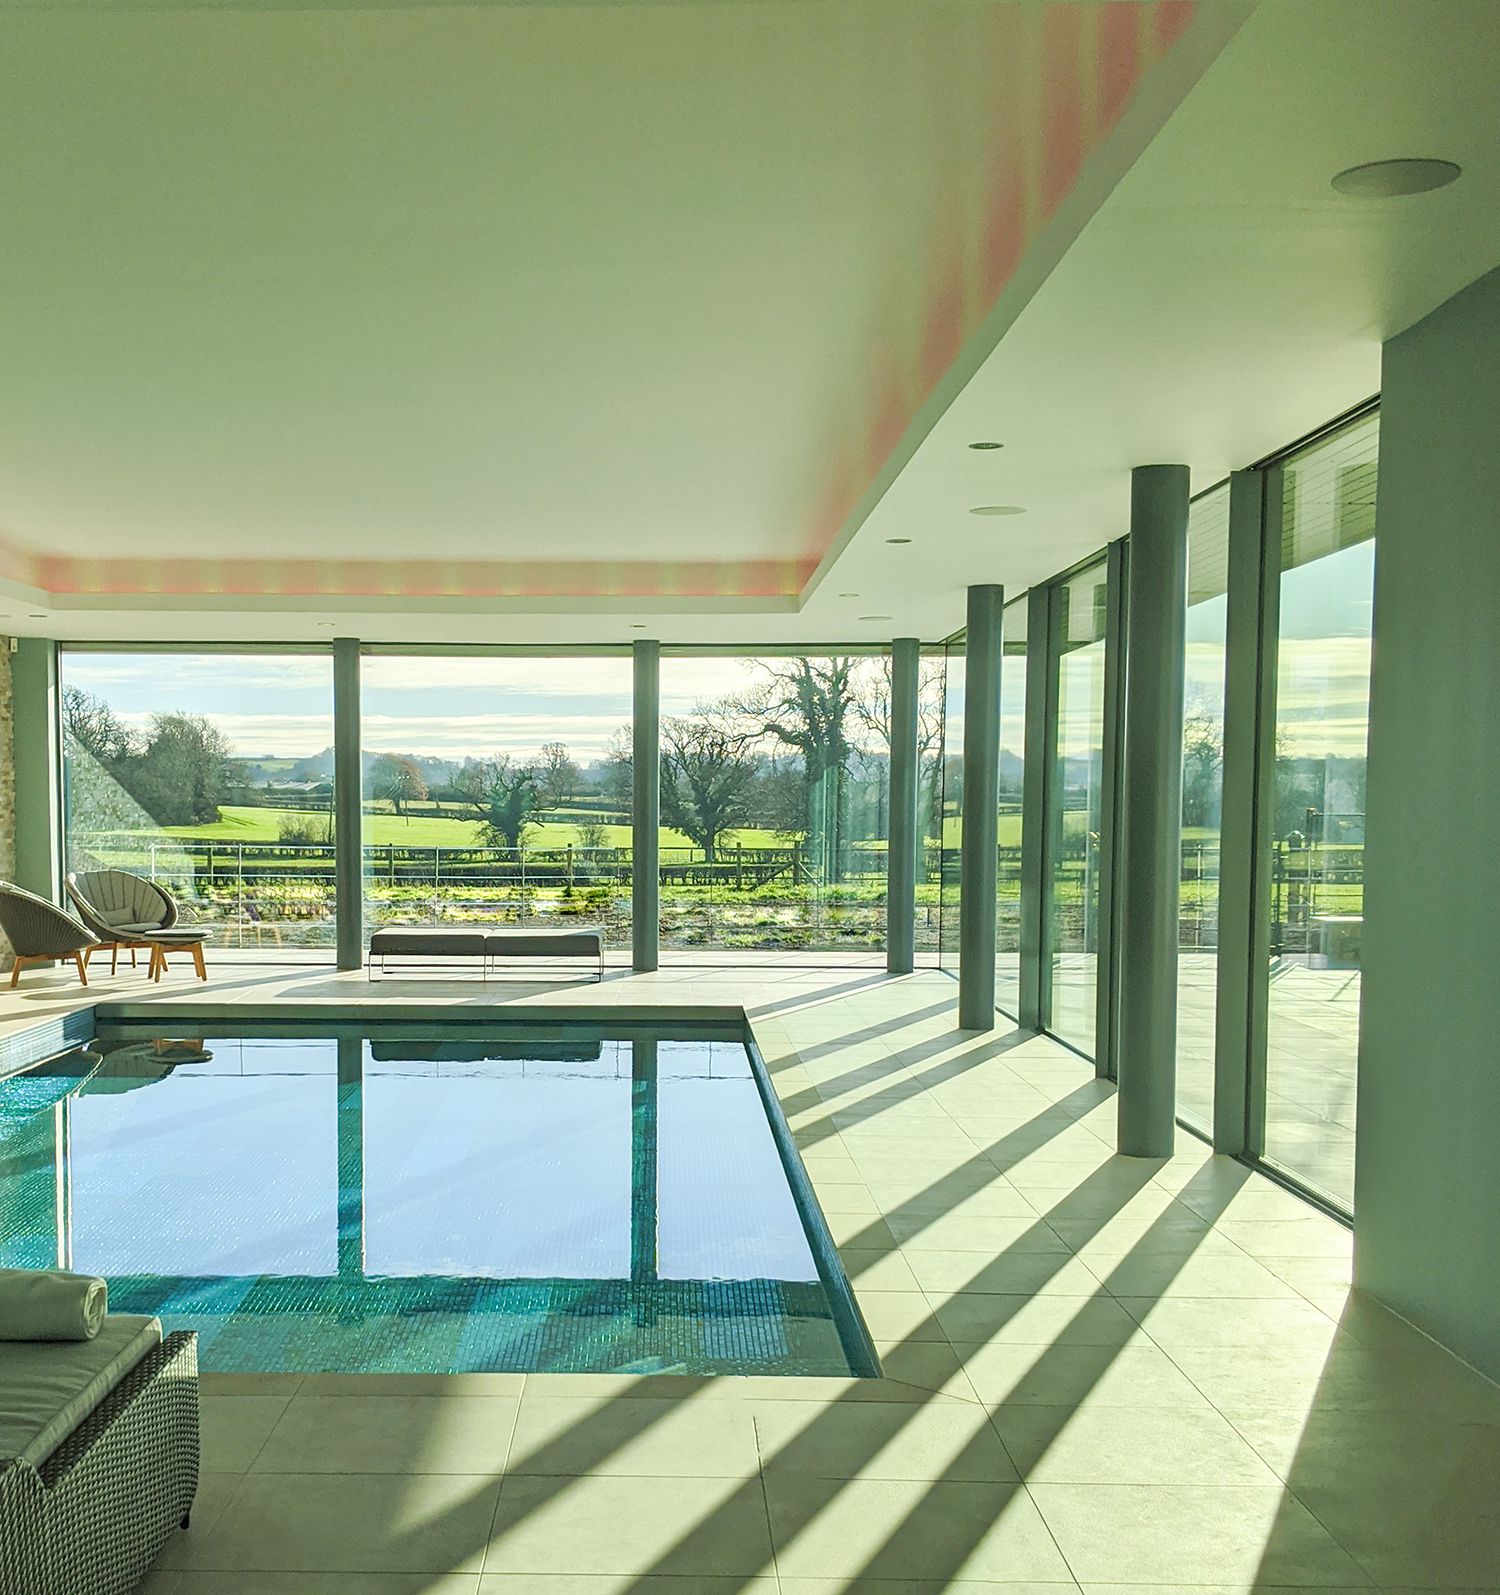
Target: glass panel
(1317,864)
(1012,776)
(931,728)
(498,789)
(1078,786)
(775,800)
(223,798)
(1202,803)
(952,818)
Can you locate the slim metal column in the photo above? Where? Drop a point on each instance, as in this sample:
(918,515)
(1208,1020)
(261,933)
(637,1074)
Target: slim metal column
(981,839)
(1108,939)
(645,821)
(34,696)
(1150,841)
(901,880)
(348,805)
(1032,1004)
(1248,801)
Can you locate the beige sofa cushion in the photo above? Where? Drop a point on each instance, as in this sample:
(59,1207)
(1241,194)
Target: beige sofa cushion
(47,1388)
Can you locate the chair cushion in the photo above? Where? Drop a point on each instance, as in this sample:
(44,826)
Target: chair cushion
(543,943)
(117,918)
(409,941)
(48,1387)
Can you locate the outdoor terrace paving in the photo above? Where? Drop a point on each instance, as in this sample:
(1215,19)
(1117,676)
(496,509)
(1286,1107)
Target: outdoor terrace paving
(1100,1373)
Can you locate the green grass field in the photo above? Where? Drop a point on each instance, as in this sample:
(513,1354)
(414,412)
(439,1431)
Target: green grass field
(243,824)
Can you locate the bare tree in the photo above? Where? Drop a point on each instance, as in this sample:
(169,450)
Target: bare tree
(90,724)
(398,780)
(708,777)
(504,795)
(559,776)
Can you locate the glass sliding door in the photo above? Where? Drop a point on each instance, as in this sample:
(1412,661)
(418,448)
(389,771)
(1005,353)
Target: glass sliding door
(497,789)
(1011,819)
(1316,873)
(1076,803)
(1202,804)
(775,804)
(210,773)
(951,817)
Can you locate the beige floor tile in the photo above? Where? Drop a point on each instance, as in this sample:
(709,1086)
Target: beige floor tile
(1127,1445)
(630,1525)
(391,1434)
(1135,1375)
(1248,1323)
(920,1586)
(900,1529)
(1191,1274)
(986,1233)
(327,1584)
(708,1439)
(1191,1534)
(622,1584)
(232,1429)
(875,1270)
(215,1491)
(1309,1236)
(985,1317)
(1015,1273)
(366,1522)
(895,1315)
(874,1441)
(413,1384)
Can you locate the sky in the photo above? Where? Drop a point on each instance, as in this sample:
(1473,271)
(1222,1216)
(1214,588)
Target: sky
(281,705)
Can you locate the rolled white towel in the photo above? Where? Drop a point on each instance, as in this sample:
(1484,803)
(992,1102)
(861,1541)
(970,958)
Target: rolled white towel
(38,1304)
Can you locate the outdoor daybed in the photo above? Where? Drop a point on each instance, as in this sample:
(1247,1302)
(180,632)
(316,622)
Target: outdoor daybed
(436,947)
(98,1452)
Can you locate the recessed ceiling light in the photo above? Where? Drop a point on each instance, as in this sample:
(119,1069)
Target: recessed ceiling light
(637,625)
(898,539)
(986,445)
(877,617)
(1388,179)
(848,595)
(36,617)
(998,509)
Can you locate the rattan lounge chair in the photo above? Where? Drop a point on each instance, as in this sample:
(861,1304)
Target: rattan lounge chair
(40,932)
(128,913)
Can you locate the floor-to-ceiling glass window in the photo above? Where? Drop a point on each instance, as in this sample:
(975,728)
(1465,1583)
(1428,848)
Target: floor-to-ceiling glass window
(1317,846)
(1202,803)
(1012,772)
(951,802)
(775,805)
(931,727)
(211,774)
(1076,805)
(497,788)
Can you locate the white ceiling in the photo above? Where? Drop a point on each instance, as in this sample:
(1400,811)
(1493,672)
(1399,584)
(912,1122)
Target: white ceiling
(168,377)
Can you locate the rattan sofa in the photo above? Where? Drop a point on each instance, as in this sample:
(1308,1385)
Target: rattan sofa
(90,1515)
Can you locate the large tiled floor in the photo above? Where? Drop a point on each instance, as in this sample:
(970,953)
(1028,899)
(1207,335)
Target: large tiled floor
(1100,1372)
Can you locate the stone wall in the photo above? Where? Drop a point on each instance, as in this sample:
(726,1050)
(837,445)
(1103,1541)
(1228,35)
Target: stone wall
(7,785)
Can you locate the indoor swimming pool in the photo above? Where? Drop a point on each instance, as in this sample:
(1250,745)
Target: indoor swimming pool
(423,1198)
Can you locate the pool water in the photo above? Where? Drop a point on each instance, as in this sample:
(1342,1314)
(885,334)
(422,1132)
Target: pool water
(392,1198)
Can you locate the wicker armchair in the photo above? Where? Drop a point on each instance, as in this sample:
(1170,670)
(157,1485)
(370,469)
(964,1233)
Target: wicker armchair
(91,1518)
(40,932)
(127,913)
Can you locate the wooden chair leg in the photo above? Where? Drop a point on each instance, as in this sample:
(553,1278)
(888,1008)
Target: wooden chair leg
(82,966)
(132,958)
(114,958)
(198,960)
(15,973)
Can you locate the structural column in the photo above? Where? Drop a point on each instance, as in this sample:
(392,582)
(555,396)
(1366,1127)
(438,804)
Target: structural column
(1032,1003)
(348,805)
(1148,852)
(645,820)
(38,767)
(981,836)
(1244,836)
(901,877)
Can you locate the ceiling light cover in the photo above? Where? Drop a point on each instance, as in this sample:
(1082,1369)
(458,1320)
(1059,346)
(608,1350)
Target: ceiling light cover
(998,509)
(986,445)
(877,617)
(898,539)
(1389,179)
